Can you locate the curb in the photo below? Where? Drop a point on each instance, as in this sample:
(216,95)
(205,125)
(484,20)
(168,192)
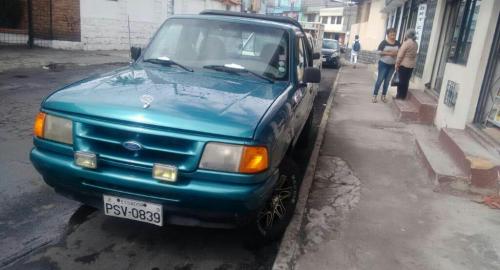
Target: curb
(58,66)
(289,245)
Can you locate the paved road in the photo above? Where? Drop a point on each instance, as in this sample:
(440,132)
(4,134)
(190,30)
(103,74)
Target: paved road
(42,230)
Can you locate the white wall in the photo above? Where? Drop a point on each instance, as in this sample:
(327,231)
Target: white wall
(104,24)
(469,77)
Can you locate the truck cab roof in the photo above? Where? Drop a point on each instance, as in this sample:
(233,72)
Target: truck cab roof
(257,17)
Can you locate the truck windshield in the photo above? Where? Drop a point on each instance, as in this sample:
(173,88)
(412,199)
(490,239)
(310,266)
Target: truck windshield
(196,43)
(330,44)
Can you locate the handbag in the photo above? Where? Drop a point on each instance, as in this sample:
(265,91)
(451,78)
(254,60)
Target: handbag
(395,79)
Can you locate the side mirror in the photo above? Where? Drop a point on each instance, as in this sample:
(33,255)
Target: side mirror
(316,55)
(312,75)
(135,53)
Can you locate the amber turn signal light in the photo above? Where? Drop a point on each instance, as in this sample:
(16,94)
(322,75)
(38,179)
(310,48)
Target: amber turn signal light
(254,159)
(38,127)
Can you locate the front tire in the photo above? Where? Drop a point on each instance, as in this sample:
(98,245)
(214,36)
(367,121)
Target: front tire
(273,217)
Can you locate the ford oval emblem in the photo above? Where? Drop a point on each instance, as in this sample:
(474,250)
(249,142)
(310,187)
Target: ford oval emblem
(132,145)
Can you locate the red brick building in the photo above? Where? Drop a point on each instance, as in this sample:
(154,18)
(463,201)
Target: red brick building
(51,20)
(92,24)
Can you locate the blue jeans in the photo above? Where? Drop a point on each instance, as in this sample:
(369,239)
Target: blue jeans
(385,72)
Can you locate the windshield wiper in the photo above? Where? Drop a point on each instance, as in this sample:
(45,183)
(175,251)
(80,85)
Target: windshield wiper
(235,68)
(163,60)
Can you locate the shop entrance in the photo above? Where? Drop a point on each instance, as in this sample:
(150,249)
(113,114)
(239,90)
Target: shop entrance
(488,108)
(450,15)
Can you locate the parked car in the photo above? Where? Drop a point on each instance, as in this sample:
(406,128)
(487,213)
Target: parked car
(331,53)
(314,32)
(198,130)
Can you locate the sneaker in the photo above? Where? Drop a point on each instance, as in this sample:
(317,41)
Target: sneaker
(383,99)
(374,99)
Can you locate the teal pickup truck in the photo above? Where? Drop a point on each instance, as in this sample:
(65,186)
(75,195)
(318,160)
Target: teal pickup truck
(197,131)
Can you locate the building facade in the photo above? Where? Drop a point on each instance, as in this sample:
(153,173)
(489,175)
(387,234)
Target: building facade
(334,21)
(94,24)
(458,56)
(465,75)
(337,16)
(195,6)
(370,24)
(254,6)
(289,8)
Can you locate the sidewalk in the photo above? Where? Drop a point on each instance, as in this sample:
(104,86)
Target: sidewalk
(15,57)
(372,205)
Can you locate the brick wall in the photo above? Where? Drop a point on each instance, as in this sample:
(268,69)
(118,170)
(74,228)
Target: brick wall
(41,19)
(66,20)
(52,20)
(22,27)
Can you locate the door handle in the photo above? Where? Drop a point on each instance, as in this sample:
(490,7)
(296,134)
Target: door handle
(297,97)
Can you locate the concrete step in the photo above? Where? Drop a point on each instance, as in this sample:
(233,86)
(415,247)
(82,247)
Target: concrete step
(479,163)
(422,98)
(441,167)
(419,107)
(426,104)
(483,138)
(405,111)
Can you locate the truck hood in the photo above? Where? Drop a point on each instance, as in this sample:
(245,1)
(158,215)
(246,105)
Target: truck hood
(202,101)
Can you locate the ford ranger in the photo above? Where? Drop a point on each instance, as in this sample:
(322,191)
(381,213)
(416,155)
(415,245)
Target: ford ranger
(197,130)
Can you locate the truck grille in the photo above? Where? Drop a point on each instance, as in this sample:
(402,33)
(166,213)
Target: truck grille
(157,147)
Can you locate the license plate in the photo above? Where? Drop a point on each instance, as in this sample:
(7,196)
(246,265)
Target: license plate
(132,209)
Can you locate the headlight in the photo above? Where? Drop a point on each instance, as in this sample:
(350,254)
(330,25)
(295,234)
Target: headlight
(53,128)
(335,54)
(234,158)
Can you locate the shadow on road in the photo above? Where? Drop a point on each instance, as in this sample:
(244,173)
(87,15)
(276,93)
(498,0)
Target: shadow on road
(93,239)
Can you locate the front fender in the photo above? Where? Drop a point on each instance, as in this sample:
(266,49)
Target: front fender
(276,127)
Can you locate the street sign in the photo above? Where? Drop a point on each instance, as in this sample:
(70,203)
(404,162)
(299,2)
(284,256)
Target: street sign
(419,26)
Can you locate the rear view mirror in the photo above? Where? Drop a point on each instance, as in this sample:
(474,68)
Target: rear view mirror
(316,55)
(135,53)
(312,75)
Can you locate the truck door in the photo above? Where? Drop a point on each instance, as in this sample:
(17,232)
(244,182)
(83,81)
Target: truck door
(304,94)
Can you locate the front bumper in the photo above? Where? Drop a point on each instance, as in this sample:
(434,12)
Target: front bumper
(197,199)
(330,61)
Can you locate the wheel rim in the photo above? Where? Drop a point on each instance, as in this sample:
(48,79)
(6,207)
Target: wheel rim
(278,205)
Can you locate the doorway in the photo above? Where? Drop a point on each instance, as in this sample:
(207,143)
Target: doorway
(450,15)
(488,107)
